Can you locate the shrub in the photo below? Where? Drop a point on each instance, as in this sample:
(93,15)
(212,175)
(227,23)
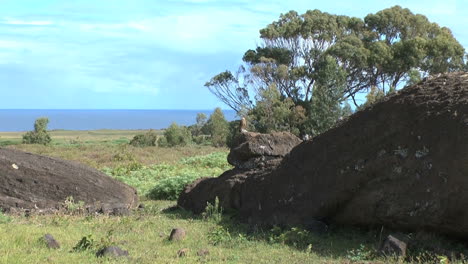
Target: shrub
(85,243)
(170,188)
(149,139)
(177,135)
(218,128)
(213,212)
(40,134)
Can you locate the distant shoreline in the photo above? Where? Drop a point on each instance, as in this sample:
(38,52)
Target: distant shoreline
(18,120)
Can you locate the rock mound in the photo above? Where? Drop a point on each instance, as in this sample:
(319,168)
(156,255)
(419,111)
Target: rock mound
(402,163)
(252,154)
(255,150)
(30,181)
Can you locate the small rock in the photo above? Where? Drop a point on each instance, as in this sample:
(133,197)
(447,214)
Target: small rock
(115,209)
(112,251)
(141,206)
(393,246)
(51,242)
(182,252)
(203,252)
(177,234)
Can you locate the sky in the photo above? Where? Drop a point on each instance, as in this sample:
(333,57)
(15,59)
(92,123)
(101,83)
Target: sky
(150,54)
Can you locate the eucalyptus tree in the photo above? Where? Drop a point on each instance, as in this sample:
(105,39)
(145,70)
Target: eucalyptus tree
(333,58)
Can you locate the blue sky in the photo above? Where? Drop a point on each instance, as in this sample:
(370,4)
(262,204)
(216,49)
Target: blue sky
(149,54)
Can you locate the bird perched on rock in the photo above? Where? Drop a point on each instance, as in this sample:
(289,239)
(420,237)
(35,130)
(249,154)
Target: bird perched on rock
(243,125)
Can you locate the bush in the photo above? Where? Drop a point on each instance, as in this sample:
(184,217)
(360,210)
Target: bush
(177,136)
(218,128)
(170,188)
(40,134)
(149,139)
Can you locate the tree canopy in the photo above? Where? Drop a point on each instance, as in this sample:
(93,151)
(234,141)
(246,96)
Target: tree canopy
(317,53)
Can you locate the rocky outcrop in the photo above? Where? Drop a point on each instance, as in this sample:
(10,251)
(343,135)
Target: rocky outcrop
(255,150)
(402,163)
(30,181)
(252,154)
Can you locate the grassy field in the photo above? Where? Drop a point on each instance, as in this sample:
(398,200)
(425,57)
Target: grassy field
(156,173)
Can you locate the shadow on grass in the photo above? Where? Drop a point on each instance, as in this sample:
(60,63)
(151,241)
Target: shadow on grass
(354,244)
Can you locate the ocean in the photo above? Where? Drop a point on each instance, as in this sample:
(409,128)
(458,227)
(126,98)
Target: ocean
(23,120)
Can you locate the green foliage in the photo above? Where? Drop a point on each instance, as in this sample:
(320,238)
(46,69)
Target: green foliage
(4,218)
(361,253)
(170,188)
(318,60)
(213,212)
(325,107)
(218,128)
(274,113)
(197,129)
(40,134)
(85,243)
(176,135)
(148,139)
(233,128)
(373,97)
(297,237)
(166,181)
(73,207)
(219,236)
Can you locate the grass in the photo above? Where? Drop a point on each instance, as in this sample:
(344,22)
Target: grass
(144,233)
(145,236)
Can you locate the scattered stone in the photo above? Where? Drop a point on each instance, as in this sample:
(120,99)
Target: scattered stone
(50,241)
(115,209)
(182,252)
(177,234)
(393,246)
(112,251)
(203,252)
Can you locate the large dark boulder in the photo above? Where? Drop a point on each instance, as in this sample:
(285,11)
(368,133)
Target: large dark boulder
(30,181)
(402,163)
(255,150)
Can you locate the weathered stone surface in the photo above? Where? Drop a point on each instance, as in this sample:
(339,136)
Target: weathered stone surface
(177,234)
(401,163)
(255,150)
(112,251)
(393,246)
(50,241)
(39,182)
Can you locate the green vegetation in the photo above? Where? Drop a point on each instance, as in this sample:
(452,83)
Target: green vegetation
(218,128)
(175,135)
(149,139)
(309,66)
(167,180)
(144,233)
(40,134)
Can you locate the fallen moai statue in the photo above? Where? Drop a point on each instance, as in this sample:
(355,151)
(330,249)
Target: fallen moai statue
(401,163)
(30,181)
